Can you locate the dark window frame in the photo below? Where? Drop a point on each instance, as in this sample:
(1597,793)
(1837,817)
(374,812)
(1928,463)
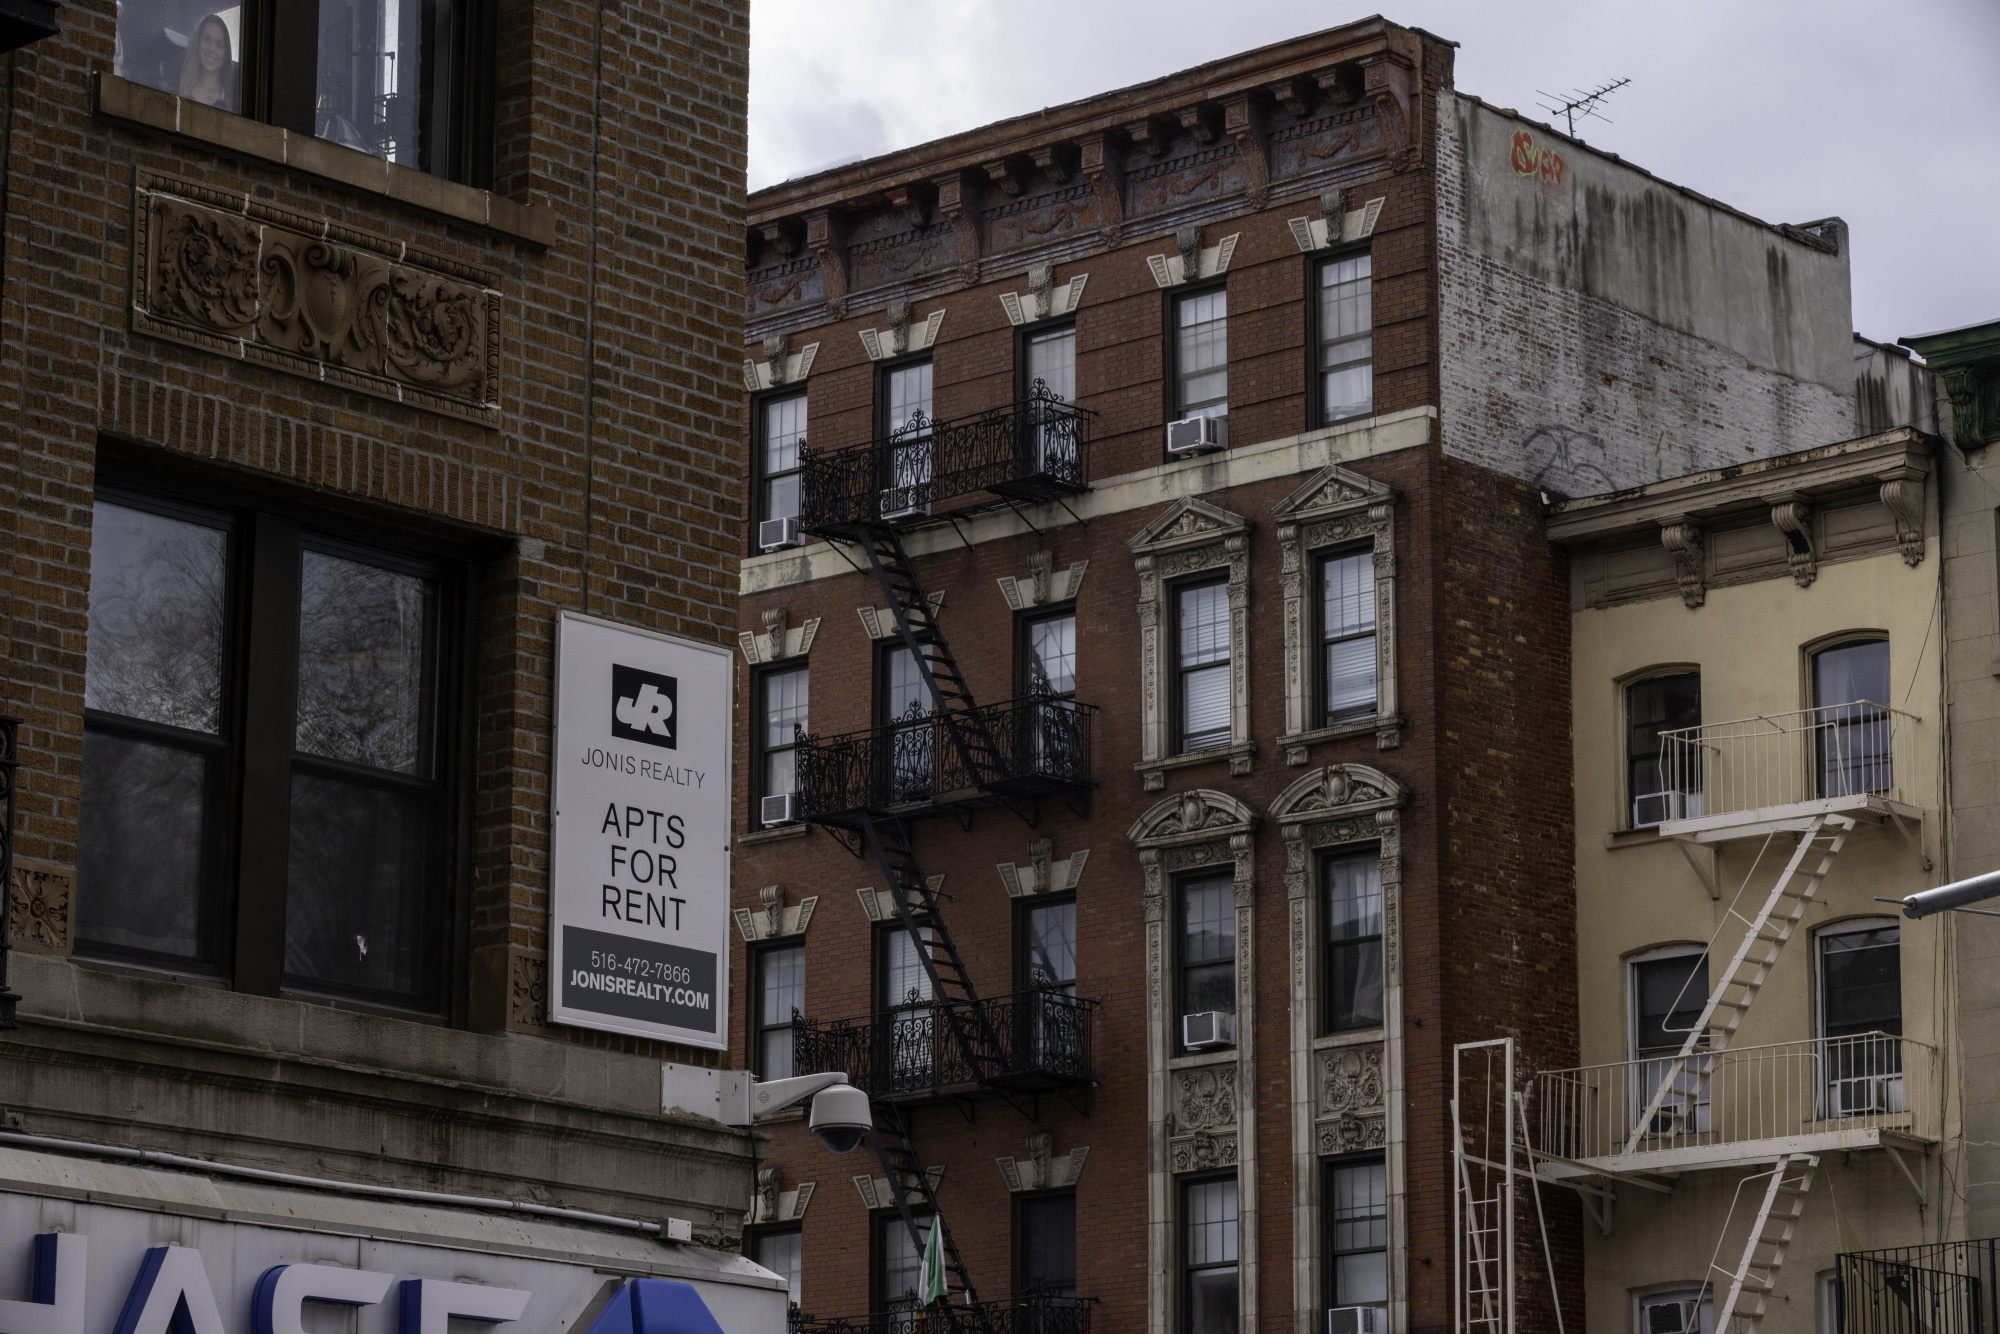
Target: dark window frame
(760,747)
(1176,703)
(1326,858)
(759,474)
(1316,263)
(1026,334)
(1171,325)
(1023,1203)
(760,1023)
(1321,692)
(757,1232)
(1024,653)
(1223,874)
(880,1221)
(1184,1187)
(279,71)
(883,371)
(271,525)
(1024,909)
(1329,1270)
(1666,672)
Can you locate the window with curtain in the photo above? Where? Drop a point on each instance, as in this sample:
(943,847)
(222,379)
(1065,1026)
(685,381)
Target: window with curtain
(1201,354)
(1207,946)
(904,704)
(1201,635)
(781,997)
(1346,338)
(1351,962)
(781,422)
(1347,635)
(1049,367)
(1852,730)
(783,720)
(1662,782)
(1355,1197)
(903,1000)
(1208,1256)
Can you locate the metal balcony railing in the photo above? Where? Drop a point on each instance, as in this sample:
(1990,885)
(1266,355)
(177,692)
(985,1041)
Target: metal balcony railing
(1032,450)
(913,1052)
(1021,1315)
(1820,1093)
(1853,750)
(1040,747)
(1947,1287)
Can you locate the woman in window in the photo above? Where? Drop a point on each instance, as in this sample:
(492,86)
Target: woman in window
(209,73)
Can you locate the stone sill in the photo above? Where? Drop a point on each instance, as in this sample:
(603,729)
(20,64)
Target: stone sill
(773,835)
(1353,1037)
(1195,1060)
(1632,838)
(148,108)
(1154,772)
(1388,735)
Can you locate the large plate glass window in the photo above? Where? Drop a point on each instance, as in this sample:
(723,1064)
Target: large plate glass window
(1346,338)
(1662,775)
(1201,635)
(1201,354)
(1351,980)
(1208,1256)
(1347,635)
(403,80)
(1355,1196)
(1852,728)
(1861,1017)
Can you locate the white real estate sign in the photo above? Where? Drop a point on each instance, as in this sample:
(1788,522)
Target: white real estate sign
(639,932)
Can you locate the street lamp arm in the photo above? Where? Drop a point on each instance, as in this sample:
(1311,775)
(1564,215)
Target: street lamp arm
(1955,895)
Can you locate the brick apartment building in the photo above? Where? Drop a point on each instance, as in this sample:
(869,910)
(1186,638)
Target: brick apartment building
(1145,578)
(337,358)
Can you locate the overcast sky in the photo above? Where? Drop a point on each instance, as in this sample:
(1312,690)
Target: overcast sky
(1886,114)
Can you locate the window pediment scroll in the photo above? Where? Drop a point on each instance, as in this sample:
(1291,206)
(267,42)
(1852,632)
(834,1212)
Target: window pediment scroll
(1202,815)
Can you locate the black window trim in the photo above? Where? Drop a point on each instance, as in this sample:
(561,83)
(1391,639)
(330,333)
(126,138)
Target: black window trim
(1327,856)
(1024,621)
(281,515)
(1171,326)
(1177,673)
(1626,684)
(1023,1201)
(883,370)
(879,1221)
(753,1056)
(1329,1273)
(1024,908)
(760,747)
(1316,263)
(1183,1187)
(1027,333)
(1221,871)
(759,474)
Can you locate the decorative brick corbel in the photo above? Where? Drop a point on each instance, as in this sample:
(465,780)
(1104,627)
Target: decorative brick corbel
(1903,496)
(1292,95)
(1682,537)
(1043,874)
(1243,118)
(1097,156)
(1792,516)
(1389,82)
(780,235)
(1961,386)
(824,237)
(774,919)
(957,204)
(1004,174)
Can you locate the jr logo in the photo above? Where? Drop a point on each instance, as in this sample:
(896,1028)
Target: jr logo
(643,707)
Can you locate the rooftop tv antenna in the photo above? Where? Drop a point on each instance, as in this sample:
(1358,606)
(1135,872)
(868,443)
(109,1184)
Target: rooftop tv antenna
(1580,103)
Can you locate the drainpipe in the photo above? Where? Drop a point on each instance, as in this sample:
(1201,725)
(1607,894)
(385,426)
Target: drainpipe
(10,740)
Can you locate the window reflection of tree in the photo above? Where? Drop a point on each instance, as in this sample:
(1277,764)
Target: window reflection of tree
(156,619)
(362,633)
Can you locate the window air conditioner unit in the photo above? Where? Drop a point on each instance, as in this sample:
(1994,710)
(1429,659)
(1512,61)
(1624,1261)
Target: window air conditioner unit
(775,533)
(781,809)
(1197,435)
(903,502)
(1208,1030)
(1658,807)
(1870,1095)
(1357,1320)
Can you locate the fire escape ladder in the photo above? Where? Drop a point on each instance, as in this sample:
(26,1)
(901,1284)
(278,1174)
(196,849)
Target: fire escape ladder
(1755,1277)
(951,986)
(907,1177)
(1683,1084)
(971,734)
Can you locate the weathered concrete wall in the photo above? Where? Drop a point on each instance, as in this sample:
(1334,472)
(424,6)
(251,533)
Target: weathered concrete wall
(1600,328)
(1891,389)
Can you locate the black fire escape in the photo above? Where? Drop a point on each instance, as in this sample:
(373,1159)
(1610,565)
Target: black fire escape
(868,788)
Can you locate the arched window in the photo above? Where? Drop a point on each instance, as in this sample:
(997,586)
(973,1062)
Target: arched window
(1662,780)
(1851,725)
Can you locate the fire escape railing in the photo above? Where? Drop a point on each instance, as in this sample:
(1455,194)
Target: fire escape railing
(1944,1287)
(915,1051)
(1041,746)
(1032,450)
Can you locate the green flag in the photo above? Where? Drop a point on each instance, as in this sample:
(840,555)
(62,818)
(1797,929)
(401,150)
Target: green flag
(930,1288)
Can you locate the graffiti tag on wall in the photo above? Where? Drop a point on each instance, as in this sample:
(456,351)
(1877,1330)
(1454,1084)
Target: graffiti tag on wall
(1529,160)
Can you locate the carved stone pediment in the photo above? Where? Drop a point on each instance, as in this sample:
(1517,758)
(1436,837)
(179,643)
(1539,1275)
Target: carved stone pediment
(1044,585)
(1338,790)
(771,1203)
(875,1192)
(879,905)
(775,920)
(779,640)
(1190,521)
(1042,1169)
(1332,490)
(1044,872)
(1194,816)
(243,279)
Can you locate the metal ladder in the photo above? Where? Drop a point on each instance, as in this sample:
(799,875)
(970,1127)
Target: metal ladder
(1745,976)
(1755,1277)
(898,1157)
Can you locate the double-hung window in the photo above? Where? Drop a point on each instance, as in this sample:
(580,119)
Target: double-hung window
(781,722)
(1045,1260)
(1347,635)
(1662,774)
(1201,634)
(903,398)
(1852,725)
(1208,1256)
(909,1027)
(1861,1017)
(780,998)
(1351,966)
(1669,992)
(270,732)
(1046,974)
(1355,1195)
(899,1267)
(1346,340)
(1208,960)
(781,429)
(782,1251)
(1048,387)
(405,80)
(1050,731)
(904,702)
(1201,354)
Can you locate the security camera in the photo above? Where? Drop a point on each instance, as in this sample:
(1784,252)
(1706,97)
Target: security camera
(841,1117)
